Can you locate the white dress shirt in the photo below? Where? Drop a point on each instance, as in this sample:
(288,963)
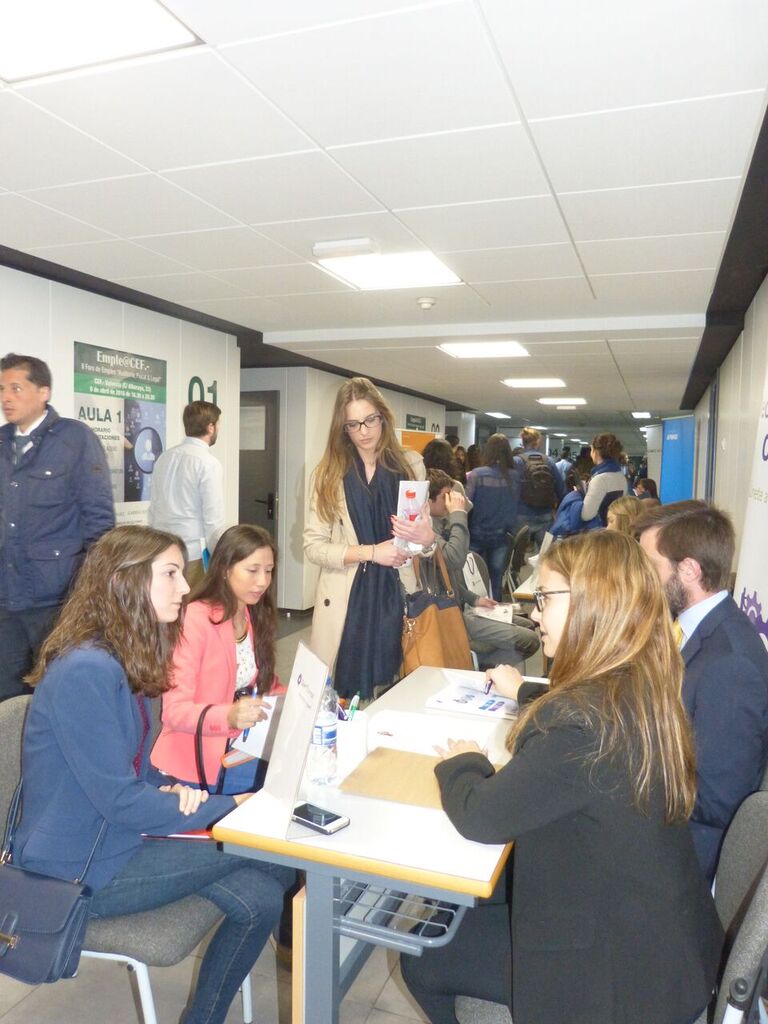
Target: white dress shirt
(188,495)
(690,618)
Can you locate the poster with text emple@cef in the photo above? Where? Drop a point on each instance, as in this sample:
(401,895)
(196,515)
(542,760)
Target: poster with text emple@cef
(121,396)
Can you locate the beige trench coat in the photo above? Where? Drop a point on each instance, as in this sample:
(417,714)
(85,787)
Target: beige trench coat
(325,545)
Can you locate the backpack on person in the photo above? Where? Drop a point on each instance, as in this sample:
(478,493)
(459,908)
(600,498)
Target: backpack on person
(537,487)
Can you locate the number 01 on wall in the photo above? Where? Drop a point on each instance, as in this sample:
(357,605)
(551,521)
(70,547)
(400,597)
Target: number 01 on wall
(197,391)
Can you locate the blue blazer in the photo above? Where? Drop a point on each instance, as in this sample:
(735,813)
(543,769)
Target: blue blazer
(83,733)
(725,692)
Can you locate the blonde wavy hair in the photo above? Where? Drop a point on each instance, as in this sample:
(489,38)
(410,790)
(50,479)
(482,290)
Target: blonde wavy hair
(110,607)
(339,449)
(619,669)
(625,511)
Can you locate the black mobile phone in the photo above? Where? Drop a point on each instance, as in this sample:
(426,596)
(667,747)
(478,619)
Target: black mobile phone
(319,819)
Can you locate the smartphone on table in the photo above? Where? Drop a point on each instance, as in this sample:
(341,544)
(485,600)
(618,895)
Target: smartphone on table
(319,819)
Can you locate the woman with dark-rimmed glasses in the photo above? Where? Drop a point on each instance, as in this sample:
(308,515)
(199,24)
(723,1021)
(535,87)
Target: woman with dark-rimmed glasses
(358,615)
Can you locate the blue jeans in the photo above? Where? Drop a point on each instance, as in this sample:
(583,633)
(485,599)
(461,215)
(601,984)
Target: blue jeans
(537,521)
(250,894)
(493,549)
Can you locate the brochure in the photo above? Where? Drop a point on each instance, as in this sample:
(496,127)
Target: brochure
(468,692)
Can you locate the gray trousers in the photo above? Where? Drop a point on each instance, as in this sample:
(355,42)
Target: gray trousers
(499,643)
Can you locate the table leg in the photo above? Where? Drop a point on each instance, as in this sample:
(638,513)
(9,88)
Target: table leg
(321,951)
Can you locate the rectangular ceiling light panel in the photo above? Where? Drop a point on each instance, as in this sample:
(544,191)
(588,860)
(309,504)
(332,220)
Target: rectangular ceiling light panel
(43,37)
(561,401)
(534,382)
(484,349)
(380,271)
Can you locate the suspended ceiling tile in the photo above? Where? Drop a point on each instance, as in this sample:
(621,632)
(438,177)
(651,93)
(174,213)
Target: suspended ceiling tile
(491,225)
(141,204)
(112,259)
(521,263)
(568,58)
(664,252)
(384,230)
(694,140)
(277,188)
(411,72)
(677,291)
(185,108)
(182,287)
(287,280)
(39,150)
(652,210)
(518,300)
(243,19)
(453,167)
(217,249)
(258,314)
(25,224)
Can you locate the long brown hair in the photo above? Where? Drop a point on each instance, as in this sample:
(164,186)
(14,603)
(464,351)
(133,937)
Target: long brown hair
(110,607)
(235,544)
(619,667)
(339,449)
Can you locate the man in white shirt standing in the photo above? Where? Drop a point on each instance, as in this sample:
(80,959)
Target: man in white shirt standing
(188,487)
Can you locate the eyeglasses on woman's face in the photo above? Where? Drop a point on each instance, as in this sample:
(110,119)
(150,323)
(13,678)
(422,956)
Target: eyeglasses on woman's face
(540,597)
(355,426)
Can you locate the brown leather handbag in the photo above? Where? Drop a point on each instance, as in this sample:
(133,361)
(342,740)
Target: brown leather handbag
(433,625)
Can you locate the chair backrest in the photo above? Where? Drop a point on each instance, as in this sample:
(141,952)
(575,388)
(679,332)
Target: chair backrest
(482,568)
(12,715)
(748,947)
(742,859)
(519,548)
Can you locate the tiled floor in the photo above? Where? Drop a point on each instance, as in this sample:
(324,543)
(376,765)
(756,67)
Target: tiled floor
(103,992)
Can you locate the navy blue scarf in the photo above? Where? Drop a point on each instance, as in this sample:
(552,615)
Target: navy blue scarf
(370,653)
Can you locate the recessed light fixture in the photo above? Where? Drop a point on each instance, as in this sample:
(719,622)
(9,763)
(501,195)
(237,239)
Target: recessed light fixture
(534,382)
(641,415)
(565,408)
(561,401)
(498,415)
(537,426)
(560,435)
(576,439)
(483,349)
(356,262)
(44,38)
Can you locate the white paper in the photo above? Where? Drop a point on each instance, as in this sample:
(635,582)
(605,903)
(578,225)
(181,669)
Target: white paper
(501,613)
(260,737)
(421,487)
(420,734)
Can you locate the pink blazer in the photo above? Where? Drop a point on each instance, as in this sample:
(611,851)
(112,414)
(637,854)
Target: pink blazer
(204,672)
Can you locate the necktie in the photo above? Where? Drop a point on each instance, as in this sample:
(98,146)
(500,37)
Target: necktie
(20,442)
(677,632)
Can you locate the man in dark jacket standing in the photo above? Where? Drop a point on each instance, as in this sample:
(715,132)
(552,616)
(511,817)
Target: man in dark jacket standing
(55,501)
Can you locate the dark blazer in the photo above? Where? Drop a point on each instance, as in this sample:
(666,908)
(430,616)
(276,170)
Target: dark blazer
(725,692)
(83,732)
(612,921)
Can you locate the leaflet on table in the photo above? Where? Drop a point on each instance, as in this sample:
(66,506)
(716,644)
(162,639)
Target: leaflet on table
(466,692)
(411,499)
(258,740)
(499,613)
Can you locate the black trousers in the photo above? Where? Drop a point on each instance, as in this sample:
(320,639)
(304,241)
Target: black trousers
(21,634)
(477,962)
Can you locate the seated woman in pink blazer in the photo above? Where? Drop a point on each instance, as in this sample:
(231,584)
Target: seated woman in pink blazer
(227,647)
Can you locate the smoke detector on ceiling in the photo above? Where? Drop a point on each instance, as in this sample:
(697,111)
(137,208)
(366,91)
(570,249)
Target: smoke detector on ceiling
(425,302)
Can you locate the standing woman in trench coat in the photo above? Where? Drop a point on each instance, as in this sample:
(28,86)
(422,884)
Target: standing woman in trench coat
(358,614)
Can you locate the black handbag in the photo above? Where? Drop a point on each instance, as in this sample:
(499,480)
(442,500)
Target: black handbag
(42,919)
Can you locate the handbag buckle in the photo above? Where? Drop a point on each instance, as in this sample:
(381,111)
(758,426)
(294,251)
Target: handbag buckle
(11,941)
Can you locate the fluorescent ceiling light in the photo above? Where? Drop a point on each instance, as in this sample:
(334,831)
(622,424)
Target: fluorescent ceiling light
(41,37)
(576,439)
(378,271)
(498,415)
(641,415)
(484,349)
(534,382)
(565,408)
(563,401)
(561,435)
(537,426)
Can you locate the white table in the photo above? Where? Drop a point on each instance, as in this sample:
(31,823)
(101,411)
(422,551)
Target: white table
(386,843)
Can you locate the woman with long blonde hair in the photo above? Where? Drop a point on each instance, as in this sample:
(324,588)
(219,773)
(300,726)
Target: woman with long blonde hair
(358,613)
(87,776)
(623,512)
(610,919)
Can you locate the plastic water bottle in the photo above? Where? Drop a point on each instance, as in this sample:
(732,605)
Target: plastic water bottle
(322,750)
(411,507)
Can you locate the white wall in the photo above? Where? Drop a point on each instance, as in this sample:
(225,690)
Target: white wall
(742,377)
(306,404)
(45,319)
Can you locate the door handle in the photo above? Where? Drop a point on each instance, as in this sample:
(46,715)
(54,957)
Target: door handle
(270,501)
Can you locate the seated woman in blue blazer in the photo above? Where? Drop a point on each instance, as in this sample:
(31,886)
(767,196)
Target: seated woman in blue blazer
(610,919)
(85,761)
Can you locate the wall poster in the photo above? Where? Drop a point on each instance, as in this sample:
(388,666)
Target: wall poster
(751,590)
(121,396)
